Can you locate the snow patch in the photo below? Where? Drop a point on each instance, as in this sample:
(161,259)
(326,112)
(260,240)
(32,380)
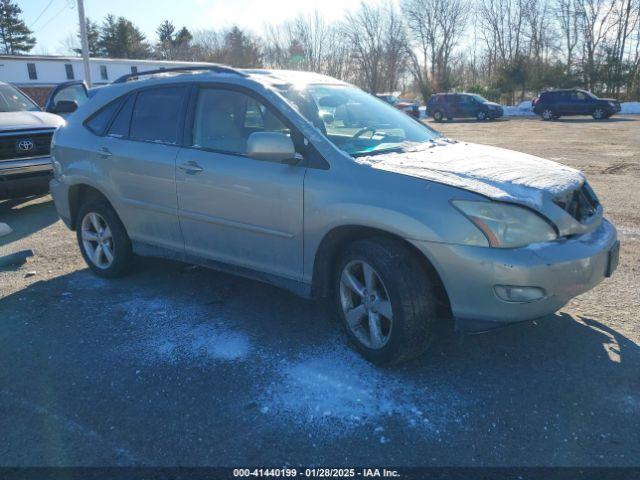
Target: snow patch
(336,390)
(170,332)
(494,172)
(630,108)
(523,109)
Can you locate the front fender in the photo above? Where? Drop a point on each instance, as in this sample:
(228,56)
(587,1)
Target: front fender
(359,196)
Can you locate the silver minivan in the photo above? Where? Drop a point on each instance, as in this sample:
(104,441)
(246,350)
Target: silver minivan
(309,183)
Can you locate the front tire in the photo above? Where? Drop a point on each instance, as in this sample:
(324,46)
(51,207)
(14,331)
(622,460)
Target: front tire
(481,115)
(385,299)
(599,114)
(103,240)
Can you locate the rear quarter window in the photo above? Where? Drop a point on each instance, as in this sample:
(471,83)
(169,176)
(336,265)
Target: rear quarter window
(98,122)
(120,125)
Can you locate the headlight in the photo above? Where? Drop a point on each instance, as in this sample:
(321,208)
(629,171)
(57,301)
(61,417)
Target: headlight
(505,225)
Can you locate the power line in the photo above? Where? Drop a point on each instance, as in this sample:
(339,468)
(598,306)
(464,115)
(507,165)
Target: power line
(52,18)
(41,13)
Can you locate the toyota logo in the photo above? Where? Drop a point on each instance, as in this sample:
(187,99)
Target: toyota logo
(25,145)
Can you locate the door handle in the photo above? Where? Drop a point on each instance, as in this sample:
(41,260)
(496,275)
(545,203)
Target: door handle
(190,167)
(105,152)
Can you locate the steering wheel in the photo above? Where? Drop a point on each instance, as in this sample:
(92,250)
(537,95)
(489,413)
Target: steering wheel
(373,131)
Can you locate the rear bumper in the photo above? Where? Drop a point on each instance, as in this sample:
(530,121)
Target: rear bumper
(60,195)
(562,269)
(25,176)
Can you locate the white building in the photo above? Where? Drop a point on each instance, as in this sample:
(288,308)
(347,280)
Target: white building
(36,75)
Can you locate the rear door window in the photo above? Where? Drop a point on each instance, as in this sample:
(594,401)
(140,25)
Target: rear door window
(156,114)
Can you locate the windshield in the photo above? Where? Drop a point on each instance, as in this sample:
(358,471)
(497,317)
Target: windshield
(480,99)
(12,100)
(356,122)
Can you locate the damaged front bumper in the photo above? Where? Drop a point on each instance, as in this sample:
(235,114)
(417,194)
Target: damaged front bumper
(489,287)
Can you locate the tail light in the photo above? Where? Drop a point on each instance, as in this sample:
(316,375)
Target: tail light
(535,101)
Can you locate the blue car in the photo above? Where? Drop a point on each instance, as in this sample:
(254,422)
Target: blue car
(462,105)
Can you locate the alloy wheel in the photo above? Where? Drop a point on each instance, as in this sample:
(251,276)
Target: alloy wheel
(482,116)
(365,304)
(547,114)
(598,113)
(97,240)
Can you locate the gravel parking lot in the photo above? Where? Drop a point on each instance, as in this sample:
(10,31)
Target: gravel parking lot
(176,365)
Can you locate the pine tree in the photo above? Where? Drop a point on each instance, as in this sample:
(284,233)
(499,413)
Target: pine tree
(165,31)
(15,36)
(173,45)
(183,37)
(165,36)
(240,49)
(93,35)
(120,38)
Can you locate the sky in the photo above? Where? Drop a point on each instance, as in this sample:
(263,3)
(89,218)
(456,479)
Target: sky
(54,20)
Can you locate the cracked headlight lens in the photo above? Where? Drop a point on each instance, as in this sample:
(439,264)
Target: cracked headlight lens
(506,225)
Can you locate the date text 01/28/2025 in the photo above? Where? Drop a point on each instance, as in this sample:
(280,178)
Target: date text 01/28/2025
(315,472)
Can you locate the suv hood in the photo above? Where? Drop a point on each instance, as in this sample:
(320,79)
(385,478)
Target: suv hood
(22,120)
(496,173)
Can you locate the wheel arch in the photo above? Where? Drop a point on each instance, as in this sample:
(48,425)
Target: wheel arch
(80,193)
(334,242)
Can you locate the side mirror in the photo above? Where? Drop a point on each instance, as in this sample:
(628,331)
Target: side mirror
(64,106)
(272,147)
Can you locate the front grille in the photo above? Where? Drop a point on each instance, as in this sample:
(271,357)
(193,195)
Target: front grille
(581,204)
(25,144)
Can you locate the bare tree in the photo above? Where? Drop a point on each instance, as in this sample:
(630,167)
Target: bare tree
(363,29)
(596,15)
(207,45)
(299,43)
(502,23)
(436,27)
(569,24)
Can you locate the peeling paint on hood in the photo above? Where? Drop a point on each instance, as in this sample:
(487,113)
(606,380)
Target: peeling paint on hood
(496,173)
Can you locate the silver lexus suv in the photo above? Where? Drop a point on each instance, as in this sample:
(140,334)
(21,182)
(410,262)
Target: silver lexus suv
(307,182)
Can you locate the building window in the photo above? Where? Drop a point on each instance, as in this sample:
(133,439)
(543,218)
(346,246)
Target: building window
(31,67)
(69,69)
(134,69)
(103,72)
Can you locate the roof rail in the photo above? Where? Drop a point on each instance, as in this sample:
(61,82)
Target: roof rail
(211,68)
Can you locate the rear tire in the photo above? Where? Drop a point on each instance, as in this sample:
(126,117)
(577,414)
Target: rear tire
(438,116)
(103,240)
(549,114)
(385,299)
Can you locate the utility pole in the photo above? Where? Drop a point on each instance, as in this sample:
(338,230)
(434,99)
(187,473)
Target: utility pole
(84,43)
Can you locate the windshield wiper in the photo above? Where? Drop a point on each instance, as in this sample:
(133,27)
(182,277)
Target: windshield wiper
(377,152)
